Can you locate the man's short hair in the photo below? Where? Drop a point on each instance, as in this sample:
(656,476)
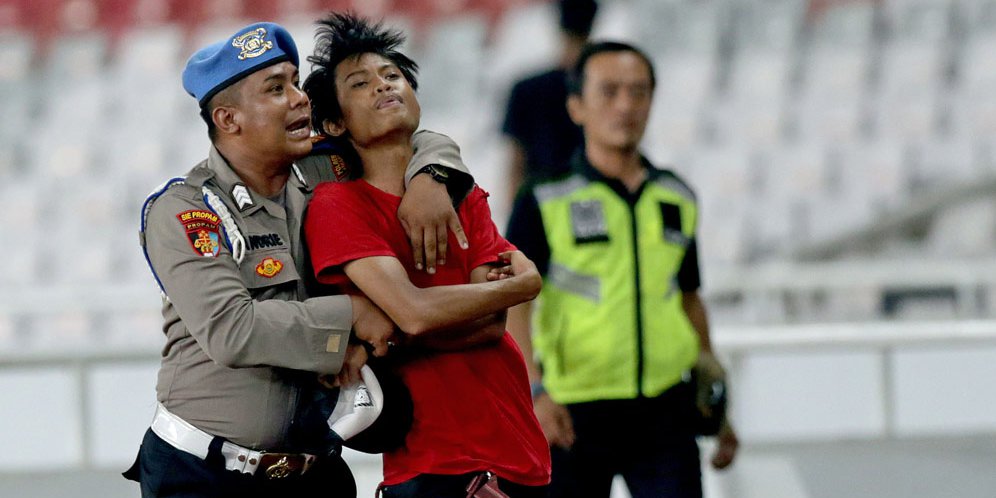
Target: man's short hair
(577,16)
(575,79)
(340,37)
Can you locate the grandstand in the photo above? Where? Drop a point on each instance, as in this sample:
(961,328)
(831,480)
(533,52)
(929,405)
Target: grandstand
(843,151)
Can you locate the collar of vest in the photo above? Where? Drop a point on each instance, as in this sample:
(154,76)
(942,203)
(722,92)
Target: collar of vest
(582,166)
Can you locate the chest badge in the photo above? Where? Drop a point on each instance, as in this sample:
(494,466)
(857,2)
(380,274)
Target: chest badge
(269,267)
(588,222)
(202,231)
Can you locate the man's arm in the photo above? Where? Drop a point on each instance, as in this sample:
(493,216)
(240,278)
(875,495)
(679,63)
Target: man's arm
(484,330)
(427,208)
(695,310)
(420,311)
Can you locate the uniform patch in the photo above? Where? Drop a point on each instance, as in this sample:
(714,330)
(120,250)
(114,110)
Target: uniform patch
(339,168)
(241,196)
(252,43)
(588,222)
(269,267)
(202,231)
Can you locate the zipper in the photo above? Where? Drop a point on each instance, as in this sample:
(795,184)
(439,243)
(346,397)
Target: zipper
(631,202)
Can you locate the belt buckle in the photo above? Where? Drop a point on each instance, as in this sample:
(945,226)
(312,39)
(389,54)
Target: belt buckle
(279,470)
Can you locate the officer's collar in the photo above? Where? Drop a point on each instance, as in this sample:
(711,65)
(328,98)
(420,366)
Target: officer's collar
(581,165)
(231,186)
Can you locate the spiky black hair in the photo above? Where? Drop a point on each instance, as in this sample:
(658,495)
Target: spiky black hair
(341,36)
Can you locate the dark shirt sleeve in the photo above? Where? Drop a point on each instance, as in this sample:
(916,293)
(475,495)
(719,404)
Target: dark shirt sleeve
(525,229)
(515,112)
(688,275)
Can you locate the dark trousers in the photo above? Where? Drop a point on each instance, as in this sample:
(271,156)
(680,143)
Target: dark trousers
(650,442)
(454,486)
(164,471)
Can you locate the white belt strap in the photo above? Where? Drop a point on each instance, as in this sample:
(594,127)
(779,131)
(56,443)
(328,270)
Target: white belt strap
(185,437)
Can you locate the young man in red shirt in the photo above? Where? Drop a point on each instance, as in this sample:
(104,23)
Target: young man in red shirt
(472,404)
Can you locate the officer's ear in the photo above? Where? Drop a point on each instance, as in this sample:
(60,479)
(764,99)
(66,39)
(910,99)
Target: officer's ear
(225,119)
(334,128)
(575,109)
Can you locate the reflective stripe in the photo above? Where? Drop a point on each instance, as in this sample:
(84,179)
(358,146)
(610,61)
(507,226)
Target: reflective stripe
(550,191)
(676,237)
(675,185)
(566,279)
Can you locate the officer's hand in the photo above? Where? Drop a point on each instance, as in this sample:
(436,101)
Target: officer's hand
(371,325)
(356,357)
(426,212)
(708,371)
(726,448)
(555,421)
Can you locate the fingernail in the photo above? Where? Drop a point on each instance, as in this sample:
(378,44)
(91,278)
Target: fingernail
(464,245)
(418,266)
(442,261)
(432,270)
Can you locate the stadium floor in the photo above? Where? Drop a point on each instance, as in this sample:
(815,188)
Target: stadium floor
(896,468)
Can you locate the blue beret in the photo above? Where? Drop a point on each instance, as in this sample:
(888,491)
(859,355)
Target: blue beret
(219,65)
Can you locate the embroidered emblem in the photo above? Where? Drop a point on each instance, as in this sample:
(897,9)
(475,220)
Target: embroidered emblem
(202,231)
(252,43)
(339,167)
(241,196)
(588,222)
(269,267)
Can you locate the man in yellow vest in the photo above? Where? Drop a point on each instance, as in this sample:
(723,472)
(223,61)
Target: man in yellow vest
(619,325)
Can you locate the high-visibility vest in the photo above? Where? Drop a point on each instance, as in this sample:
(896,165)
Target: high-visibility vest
(609,323)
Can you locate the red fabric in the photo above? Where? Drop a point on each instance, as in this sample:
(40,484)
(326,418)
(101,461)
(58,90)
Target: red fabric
(473,408)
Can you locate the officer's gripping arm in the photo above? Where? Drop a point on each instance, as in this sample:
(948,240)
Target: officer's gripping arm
(427,208)
(214,304)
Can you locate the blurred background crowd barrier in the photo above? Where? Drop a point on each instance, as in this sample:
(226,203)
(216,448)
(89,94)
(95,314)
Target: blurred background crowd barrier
(843,152)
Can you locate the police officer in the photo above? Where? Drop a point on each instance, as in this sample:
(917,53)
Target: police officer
(619,323)
(224,244)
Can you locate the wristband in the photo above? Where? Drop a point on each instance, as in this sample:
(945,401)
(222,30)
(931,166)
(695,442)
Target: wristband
(537,389)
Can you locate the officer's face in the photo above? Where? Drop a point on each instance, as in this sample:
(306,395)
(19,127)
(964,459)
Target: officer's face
(376,100)
(614,104)
(273,114)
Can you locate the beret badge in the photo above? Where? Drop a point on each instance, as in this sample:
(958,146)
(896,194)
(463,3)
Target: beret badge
(252,43)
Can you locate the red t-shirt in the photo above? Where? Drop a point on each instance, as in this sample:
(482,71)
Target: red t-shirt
(473,408)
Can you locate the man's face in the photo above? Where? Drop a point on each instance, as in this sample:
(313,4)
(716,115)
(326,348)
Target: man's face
(375,98)
(614,104)
(273,113)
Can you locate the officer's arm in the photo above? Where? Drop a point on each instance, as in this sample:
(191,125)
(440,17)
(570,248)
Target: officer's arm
(212,301)
(427,208)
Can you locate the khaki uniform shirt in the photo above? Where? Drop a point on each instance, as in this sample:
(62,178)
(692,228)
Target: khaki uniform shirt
(238,334)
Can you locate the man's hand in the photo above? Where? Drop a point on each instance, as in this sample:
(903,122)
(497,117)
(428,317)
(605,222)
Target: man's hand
(555,421)
(371,325)
(426,212)
(726,447)
(356,357)
(516,264)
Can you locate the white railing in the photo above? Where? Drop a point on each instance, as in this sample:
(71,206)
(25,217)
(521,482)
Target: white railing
(735,344)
